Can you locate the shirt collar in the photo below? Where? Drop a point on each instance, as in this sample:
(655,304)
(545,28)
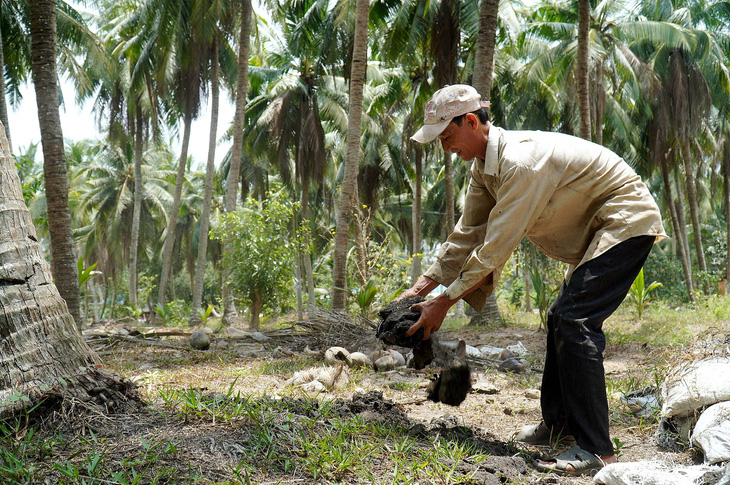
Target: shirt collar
(491,159)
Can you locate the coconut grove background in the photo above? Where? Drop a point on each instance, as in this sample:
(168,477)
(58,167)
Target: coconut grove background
(136,228)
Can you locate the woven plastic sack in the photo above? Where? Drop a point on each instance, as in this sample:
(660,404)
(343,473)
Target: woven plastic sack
(698,385)
(712,433)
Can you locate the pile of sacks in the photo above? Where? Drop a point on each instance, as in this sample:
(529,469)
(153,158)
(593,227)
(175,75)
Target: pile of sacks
(695,412)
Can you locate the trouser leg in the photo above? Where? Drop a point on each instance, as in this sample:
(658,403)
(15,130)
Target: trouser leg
(574,388)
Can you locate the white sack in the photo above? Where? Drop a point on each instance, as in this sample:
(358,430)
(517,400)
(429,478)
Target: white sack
(712,433)
(657,473)
(700,384)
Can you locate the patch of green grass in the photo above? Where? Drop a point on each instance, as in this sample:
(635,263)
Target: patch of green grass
(404,385)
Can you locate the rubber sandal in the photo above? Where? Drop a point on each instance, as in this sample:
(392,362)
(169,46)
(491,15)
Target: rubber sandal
(583,463)
(540,435)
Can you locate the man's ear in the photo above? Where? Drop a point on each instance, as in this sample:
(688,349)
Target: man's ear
(472,120)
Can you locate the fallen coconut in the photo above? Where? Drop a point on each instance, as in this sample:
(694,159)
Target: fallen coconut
(337,354)
(360,360)
(199,340)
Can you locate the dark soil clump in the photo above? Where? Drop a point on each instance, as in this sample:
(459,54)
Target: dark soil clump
(395,320)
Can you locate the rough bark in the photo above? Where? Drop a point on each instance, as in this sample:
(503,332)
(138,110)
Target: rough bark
(694,210)
(199,280)
(42,352)
(137,207)
(582,65)
(230,315)
(484,52)
(63,253)
(349,182)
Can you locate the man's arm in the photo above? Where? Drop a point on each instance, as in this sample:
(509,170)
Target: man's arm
(422,287)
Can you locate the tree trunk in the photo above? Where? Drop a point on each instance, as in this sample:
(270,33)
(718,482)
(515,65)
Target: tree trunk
(694,210)
(63,254)
(199,282)
(174,212)
(484,52)
(684,257)
(137,208)
(306,257)
(230,315)
(349,181)
(582,68)
(600,104)
(416,269)
(255,310)
(449,193)
(726,196)
(41,345)
(3,97)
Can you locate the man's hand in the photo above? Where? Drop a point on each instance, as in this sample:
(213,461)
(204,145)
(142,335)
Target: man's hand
(433,312)
(422,287)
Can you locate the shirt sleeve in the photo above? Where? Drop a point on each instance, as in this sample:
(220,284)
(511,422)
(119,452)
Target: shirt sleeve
(522,196)
(468,234)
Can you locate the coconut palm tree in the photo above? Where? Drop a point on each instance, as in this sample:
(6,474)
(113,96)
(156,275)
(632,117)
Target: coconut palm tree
(41,343)
(348,190)
(213,21)
(63,254)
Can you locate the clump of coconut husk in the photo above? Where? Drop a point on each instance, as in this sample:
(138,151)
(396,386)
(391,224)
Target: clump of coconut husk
(453,384)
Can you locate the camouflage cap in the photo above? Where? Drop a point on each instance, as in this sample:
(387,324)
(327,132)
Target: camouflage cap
(446,104)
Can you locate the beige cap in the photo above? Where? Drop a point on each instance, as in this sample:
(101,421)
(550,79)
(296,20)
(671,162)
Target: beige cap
(446,104)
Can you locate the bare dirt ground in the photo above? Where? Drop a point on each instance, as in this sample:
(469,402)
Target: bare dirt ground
(207,451)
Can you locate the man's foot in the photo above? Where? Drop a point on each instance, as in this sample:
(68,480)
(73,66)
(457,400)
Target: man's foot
(576,462)
(540,435)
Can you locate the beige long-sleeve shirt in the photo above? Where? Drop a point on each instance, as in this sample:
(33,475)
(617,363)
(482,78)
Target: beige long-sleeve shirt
(572,198)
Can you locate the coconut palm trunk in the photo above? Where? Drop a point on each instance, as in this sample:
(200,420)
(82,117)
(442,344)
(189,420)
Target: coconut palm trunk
(694,210)
(176,201)
(482,82)
(41,344)
(3,101)
(230,315)
(484,52)
(416,269)
(208,190)
(726,196)
(582,65)
(349,182)
(137,207)
(63,254)
(684,257)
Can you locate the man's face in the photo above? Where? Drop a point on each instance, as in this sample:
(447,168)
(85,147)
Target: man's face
(462,140)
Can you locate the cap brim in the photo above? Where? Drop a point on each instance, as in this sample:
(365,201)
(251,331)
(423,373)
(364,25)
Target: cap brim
(428,133)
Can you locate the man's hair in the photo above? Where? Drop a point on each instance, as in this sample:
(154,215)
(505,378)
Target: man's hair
(481,113)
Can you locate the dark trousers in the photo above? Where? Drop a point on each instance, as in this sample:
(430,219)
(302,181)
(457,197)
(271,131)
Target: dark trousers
(573,397)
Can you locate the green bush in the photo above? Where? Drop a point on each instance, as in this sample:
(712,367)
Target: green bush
(263,254)
(667,271)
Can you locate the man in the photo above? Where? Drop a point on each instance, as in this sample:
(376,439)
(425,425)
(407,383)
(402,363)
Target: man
(579,203)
